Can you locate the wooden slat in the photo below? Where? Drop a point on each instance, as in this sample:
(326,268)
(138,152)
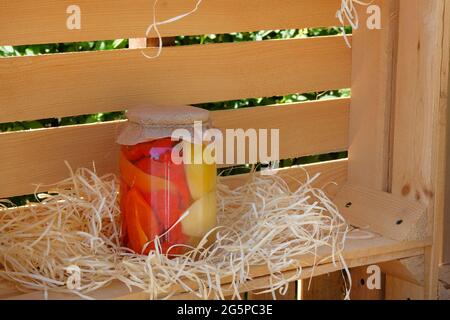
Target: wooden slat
(259,282)
(305,128)
(329,286)
(82,83)
(398,289)
(399,270)
(330,171)
(357,253)
(8,289)
(38,156)
(44,21)
(290,294)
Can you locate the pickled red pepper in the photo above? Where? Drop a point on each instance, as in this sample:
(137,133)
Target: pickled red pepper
(156,192)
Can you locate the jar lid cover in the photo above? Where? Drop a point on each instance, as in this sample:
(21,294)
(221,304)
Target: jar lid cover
(155,122)
(153,115)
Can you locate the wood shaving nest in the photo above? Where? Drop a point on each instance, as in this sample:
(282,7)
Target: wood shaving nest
(261,223)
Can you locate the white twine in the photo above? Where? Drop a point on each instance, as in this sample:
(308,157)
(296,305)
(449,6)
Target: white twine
(157,23)
(348,14)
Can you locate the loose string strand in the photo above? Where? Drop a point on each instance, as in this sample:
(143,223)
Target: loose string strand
(155,24)
(349,14)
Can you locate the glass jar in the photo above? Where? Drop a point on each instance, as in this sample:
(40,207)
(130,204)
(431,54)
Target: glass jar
(163,194)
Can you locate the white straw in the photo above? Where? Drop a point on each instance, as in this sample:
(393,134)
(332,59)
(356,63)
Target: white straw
(260,223)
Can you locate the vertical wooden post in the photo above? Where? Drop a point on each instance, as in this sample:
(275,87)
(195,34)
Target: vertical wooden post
(373,93)
(418,159)
(446,244)
(373,84)
(397,127)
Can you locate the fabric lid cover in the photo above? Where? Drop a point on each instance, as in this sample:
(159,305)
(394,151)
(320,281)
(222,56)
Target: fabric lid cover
(149,122)
(167,116)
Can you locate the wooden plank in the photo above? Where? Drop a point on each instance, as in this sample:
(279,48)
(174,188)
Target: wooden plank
(329,286)
(444,282)
(307,273)
(38,156)
(446,245)
(418,164)
(399,289)
(35,157)
(373,68)
(439,249)
(289,295)
(387,214)
(32,22)
(399,270)
(7,289)
(357,253)
(329,171)
(305,128)
(414,131)
(83,83)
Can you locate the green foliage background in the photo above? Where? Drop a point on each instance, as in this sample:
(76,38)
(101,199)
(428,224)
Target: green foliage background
(9,51)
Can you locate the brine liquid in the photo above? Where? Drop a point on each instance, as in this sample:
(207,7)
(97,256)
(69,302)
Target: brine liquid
(156,192)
